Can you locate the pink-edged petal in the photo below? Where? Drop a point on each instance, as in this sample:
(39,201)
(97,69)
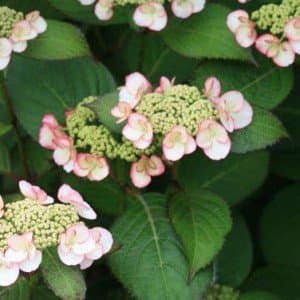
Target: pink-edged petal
(137,82)
(26,189)
(130,133)
(31,264)
(142,143)
(46,137)
(9,272)
(292,29)
(20,46)
(190,146)
(245,36)
(36,21)
(61,156)
(15,255)
(86,212)
(103,10)
(155,166)
(66,194)
(286,55)
(69,258)
(1,207)
(174,153)
(83,248)
(139,177)
(235,19)
(295,46)
(218,150)
(5,47)
(226,120)
(182,9)
(23,31)
(198,5)
(4,61)
(142,18)
(160,19)
(267,44)
(212,88)
(86,263)
(106,240)
(244,117)
(99,173)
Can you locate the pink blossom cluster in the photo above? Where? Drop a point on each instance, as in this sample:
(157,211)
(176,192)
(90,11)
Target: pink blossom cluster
(151,15)
(53,137)
(281,50)
(212,137)
(78,245)
(22,32)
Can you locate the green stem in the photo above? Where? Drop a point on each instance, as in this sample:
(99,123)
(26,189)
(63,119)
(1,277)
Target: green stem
(13,121)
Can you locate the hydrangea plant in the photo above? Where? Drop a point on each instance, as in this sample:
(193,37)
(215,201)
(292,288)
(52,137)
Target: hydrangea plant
(149,150)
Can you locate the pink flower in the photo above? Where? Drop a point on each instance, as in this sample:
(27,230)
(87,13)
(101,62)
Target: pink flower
(121,111)
(68,195)
(292,32)
(49,132)
(86,2)
(23,31)
(91,166)
(103,243)
(212,88)
(104,9)
(36,21)
(281,52)
(151,15)
(74,244)
(142,170)
(185,8)
(1,207)
(64,153)
(34,192)
(138,130)
(213,139)
(136,86)
(5,52)
(242,27)
(235,112)
(22,251)
(164,84)
(9,271)
(177,143)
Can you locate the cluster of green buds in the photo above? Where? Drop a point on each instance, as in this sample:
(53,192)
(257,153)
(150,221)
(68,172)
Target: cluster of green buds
(154,125)
(274,29)
(221,292)
(34,223)
(16,30)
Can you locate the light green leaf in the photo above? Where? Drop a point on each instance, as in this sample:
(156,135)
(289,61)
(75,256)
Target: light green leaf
(102,108)
(232,266)
(264,85)
(235,177)
(66,282)
(4,128)
(258,295)
(264,130)
(5,165)
(42,292)
(280,228)
(202,220)
(20,290)
(60,41)
(204,35)
(150,262)
(53,87)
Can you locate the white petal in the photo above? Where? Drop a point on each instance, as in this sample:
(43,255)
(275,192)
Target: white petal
(182,9)
(234,19)
(295,46)
(4,61)
(69,258)
(286,55)
(86,263)
(8,274)
(218,150)
(174,153)
(30,265)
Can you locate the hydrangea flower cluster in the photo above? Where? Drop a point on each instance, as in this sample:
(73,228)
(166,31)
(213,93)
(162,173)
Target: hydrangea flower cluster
(160,125)
(149,14)
(273,29)
(16,30)
(29,226)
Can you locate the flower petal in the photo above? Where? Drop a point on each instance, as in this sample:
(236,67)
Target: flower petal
(235,18)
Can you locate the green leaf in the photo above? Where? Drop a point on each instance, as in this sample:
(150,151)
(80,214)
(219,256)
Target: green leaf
(258,295)
(280,228)
(264,85)
(42,292)
(202,220)
(53,87)
(77,11)
(107,197)
(4,159)
(4,128)
(204,35)
(102,108)
(18,291)
(150,262)
(232,266)
(281,281)
(60,41)
(264,130)
(235,177)
(66,282)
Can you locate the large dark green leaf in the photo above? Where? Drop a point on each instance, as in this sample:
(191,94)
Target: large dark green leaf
(280,228)
(232,265)
(264,130)
(202,221)
(235,177)
(204,35)
(66,282)
(264,85)
(258,295)
(60,41)
(5,165)
(39,87)
(150,262)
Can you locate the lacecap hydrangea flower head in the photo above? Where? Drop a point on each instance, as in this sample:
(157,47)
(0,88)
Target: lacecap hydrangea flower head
(16,30)
(148,14)
(273,29)
(158,127)
(35,223)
